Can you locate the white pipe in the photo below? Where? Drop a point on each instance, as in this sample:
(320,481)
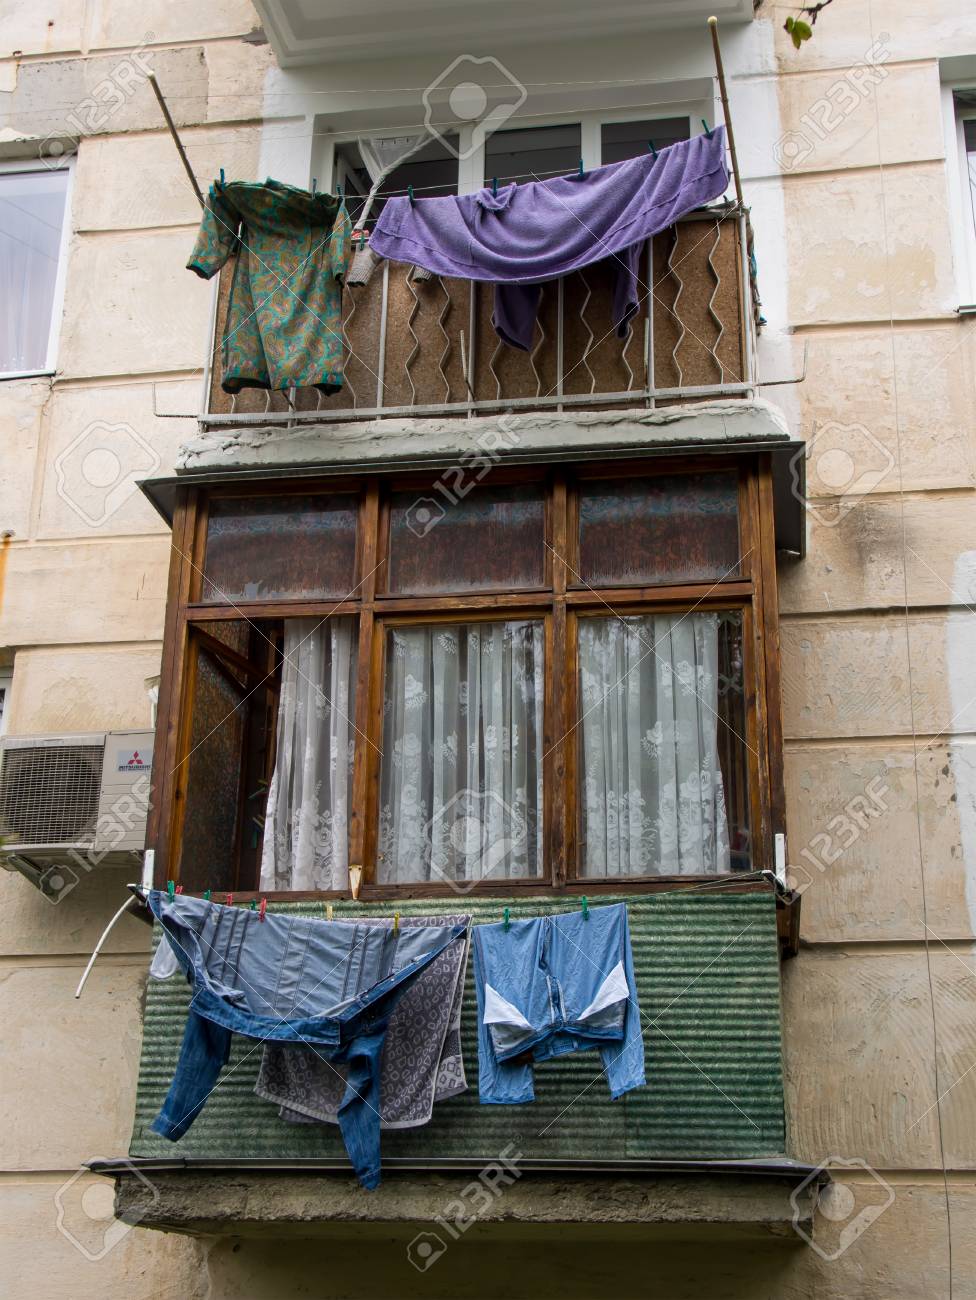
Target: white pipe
(98,946)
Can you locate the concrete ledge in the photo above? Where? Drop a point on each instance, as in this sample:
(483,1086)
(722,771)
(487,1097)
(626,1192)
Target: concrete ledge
(364,442)
(275,1204)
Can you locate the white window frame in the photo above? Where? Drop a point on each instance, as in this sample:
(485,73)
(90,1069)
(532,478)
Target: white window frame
(962,220)
(471,169)
(67,165)
(6,685)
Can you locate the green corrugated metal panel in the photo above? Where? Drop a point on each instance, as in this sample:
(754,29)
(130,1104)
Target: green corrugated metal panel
(707,969)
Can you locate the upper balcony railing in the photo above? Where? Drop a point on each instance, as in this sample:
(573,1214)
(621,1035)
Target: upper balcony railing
(419,345)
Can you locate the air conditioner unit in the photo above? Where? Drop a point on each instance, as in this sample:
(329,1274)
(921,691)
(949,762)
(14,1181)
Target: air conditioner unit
(69,804)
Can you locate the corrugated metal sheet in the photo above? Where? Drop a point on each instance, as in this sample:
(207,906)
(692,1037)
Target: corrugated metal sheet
(707,969)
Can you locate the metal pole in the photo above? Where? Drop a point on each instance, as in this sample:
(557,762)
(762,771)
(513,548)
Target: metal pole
(713,25)
(176,138)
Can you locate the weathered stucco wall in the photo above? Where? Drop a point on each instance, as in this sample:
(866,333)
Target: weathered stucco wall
(860,292)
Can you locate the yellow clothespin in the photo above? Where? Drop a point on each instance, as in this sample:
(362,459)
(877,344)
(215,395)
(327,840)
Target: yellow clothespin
(396,922)
(328,911)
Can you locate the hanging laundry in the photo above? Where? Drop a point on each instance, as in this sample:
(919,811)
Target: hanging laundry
(284,315)
(291,979)
(524,235)
(422,1062)
(552,985)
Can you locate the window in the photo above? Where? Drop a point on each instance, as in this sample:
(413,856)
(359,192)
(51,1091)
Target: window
(548,677)
(960,122)
(32,237)
(432,166)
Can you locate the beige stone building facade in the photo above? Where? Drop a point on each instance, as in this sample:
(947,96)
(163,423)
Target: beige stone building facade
(858,161)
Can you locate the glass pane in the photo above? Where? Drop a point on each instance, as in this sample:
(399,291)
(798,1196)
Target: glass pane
(461,773)
(208,857)
(306,836)
(31,219)
(432,169)
(532,154)
(620,140)
(491,540)
(280,548)
(664,773)
(675,528)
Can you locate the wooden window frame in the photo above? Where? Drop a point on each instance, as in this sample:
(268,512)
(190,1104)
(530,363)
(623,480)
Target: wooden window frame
(560,605)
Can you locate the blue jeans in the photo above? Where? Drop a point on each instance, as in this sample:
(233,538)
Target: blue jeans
(552,985)
(329,985)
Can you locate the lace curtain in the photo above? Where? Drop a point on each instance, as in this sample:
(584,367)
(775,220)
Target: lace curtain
(653,795)
(306,836)
(31,214)
(461,785)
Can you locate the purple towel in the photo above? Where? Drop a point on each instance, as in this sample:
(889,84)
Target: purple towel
(527,234)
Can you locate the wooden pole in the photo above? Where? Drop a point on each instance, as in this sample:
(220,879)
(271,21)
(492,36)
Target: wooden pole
(179,143)
(713,25)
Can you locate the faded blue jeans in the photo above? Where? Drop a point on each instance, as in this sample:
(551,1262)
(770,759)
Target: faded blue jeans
(329,985)
(552,985)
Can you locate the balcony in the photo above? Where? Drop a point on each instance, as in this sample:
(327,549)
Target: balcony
(426,347)
(328,31)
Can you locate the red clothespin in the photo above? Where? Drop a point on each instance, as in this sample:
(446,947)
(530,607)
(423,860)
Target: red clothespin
(262,909)
(179,889)
(230,900)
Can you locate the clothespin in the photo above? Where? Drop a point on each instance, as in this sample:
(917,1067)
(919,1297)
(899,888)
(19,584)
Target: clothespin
(396,922)
(222,176)
(328,911)
(206,894)
(339,191)
(410,195)
(506,914)
(230,900)
(171,888)
(254,905)
(494,187)
(581,169)
(262,909)
(314,183)
(586,909)
(650,145)
(707,128)
(179,889)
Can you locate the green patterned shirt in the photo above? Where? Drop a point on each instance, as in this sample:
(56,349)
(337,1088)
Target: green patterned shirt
(284,317)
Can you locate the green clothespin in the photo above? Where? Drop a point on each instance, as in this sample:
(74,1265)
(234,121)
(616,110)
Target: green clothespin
(206,894)
(650,145)
(494,187)
(410,195)
(581,169)
(586,909)
(171,888)
(254,904)
(222,176)
(506,915)
(708,131)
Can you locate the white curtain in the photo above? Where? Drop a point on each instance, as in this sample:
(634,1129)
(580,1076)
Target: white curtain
(653,796)
(461,786)
(31,216)
(306,835)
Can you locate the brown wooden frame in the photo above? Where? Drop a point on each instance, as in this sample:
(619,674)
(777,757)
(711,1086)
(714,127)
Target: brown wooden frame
(561,603)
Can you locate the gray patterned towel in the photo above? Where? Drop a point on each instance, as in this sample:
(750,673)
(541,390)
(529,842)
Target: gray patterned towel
(421,1059)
